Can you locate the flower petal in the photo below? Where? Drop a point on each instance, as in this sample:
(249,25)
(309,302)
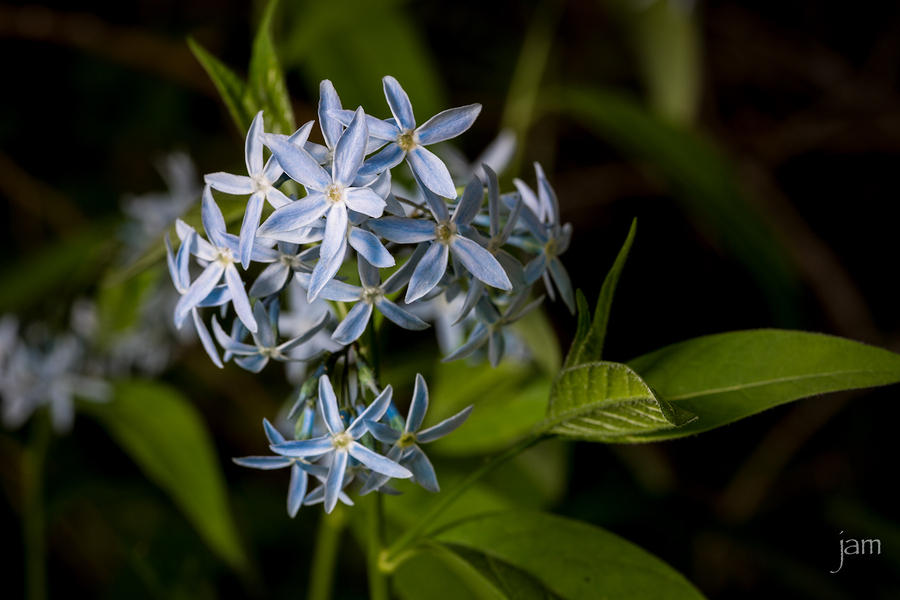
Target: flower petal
(422,470)
(335,481)
(444,427)
(198,290)
(329,407)
(377,462)
(229,184)
(398,102)
(267,463)
(296,489)
(470,203)
(563,283)
(353,324)
(334,289)
(373,412)
(428,272)
(273,435)
(295,215)
(249,226)
(389,157)
(399,316)
(253,155)
(419,405)
(264,336)
(271,280)
(431,171)
(370,248)
(328,101)
(253,363)
(447,124)
(331,251)
(297,163)
(350,150)
(230,344)
(365,201)
(213,221)
(403,230)
(476,340)
(304,448)
(480,263)
(239,298)
(382,432)
(205,339)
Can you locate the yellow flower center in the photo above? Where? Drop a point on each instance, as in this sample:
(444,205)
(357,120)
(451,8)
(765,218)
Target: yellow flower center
(407,140)
(444,231)
(370,295)
(225,256)
(406,440)
(335,193)
(341,440)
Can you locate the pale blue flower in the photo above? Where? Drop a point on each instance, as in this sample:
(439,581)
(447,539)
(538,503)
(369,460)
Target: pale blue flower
(329,194)
(541,217)
(299,468)
(331,126)
(219,255)
(219,295)
(446,234)
(259,183)
(371,294)
(255,357)
(31,379)
(405,442)
(339,443)
(489,328)
(408,141)
(275,276)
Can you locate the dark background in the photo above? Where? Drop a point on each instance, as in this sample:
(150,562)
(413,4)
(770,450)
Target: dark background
(800,99)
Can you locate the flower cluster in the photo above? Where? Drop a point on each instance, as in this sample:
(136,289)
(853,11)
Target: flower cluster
(353,241)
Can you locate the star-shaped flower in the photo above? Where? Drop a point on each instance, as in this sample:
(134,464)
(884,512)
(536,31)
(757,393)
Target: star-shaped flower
(368,296)
(299,468)
(254,357)
(490,327)
(329,194)
(340,442)
(218,254)
(446,234)
(405,443)
(259,183)
(408,141)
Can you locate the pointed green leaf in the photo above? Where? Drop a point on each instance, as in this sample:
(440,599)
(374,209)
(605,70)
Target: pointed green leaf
(266,86)
(166,437)
(725,377)
(231,88)
(607,402)
(568,558)
(440,571)
(590,336)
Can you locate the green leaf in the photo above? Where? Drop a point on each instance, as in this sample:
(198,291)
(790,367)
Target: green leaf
(725,377)
(666,40)
(607,402)
(231,88)
(439,572)
(165,436)
(701,178)
(589,338)
(266,86)
(568,558)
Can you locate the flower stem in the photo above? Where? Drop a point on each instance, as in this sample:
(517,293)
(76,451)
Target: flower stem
(328,540)
(378,584)
(393,556)
(33,459)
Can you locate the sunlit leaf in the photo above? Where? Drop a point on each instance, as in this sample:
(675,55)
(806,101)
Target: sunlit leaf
(725,377)
(570,559)
(231,87)
(266,84)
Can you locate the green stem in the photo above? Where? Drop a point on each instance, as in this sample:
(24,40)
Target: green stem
(393,556)
(328,540)
(33,460)
(378,584)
